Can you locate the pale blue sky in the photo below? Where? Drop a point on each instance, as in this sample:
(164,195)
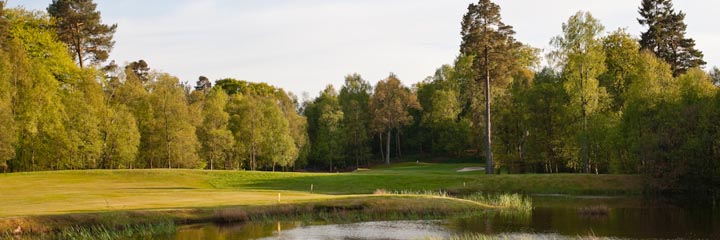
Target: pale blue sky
(304,45)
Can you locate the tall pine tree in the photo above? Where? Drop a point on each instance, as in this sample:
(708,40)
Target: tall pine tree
(485,36)
(665,36)
(78,25)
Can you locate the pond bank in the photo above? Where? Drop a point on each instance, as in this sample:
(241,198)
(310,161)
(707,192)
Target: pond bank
(346,209)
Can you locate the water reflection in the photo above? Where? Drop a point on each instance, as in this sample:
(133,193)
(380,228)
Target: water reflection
(609,217)
(553,217)
(367,230)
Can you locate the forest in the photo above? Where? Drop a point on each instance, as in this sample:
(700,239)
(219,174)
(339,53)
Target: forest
(608,103)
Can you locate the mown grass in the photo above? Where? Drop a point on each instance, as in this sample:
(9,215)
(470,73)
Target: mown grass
(428,176)
(63,192)
(33,197)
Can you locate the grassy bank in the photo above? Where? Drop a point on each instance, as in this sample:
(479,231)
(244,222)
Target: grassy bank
(54,199)
(356,208)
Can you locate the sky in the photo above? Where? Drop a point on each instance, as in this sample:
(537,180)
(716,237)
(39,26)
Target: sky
(302,46)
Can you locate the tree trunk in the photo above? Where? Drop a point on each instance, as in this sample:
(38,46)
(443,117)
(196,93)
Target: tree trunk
(489,168)
(78,45)
(167,134)
(357,151)
(389,137)
(382,153)
(585,139)
(397,144)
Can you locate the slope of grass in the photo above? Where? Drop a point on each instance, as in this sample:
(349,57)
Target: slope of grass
(110,199)
(428,176)
(39,193)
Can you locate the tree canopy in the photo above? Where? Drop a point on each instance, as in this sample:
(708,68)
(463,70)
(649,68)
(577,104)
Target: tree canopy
(79,25)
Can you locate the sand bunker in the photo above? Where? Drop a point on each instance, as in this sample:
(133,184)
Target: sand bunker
(471,169)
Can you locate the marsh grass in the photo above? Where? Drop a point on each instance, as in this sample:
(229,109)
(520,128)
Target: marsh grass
(102,232)
(107,233)
(505,200)
(433,193)
(371,208)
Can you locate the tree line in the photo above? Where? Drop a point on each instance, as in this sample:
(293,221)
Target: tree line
(607,103)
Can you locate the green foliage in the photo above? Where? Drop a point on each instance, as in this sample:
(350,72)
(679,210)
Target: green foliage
(606,107)
(483,32)
(491,42)
(297,128)
(548,117)
(233,86)
(448,133)
(173,142)
(261,131)
(579,52)
(325,119)
(622,56)
(37,107)
(355,100)
(85,109)
(389,108)
(78,25)
(8,135)
(216,139)
(121,138)
(665,36)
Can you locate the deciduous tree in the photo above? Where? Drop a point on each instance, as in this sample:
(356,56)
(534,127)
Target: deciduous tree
(389,107)
(579,51)
(354,99)
(216,139)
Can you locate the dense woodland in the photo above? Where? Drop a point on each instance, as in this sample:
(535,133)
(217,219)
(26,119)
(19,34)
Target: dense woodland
(607,103)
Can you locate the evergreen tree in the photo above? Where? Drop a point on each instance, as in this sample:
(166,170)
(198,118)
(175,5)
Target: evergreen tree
(203,84)
(486,37)
(665,36)
(715,75)
(79,26)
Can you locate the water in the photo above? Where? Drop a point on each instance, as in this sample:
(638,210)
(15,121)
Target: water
(553,217)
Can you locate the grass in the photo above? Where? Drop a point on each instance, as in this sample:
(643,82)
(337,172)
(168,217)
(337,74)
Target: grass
(57,198)
(507,201)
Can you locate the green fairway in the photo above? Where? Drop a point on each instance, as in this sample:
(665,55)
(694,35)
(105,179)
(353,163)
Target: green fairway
(47,193)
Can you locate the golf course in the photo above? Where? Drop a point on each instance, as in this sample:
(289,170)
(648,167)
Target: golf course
(47,201)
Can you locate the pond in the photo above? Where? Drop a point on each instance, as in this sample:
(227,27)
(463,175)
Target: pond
(553,217)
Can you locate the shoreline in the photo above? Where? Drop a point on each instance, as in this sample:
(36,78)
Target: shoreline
(364,207)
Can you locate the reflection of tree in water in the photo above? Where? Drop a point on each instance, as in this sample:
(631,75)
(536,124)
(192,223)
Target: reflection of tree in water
(596,212)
